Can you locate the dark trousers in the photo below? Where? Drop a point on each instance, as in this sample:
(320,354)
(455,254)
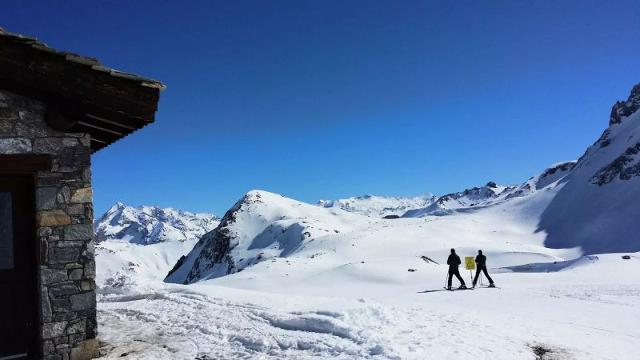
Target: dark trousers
(454,271)
(484,270)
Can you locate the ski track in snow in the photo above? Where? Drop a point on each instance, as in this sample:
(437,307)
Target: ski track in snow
(176,323)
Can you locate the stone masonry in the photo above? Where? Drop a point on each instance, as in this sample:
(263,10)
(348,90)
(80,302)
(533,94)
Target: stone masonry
(64,218)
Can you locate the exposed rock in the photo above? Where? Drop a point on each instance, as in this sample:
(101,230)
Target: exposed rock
(624,167)
(622,109)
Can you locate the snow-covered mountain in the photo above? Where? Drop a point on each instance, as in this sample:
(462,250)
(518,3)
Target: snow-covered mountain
(491,193)
(379,206)
(591,204)
(150,224)
(474,197)
(260,226)
(280,279)
(598,205)
(137,244)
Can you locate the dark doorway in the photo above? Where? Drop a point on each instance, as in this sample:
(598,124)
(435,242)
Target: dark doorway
(18,268)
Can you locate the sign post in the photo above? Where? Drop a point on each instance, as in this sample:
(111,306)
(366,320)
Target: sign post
(470,264)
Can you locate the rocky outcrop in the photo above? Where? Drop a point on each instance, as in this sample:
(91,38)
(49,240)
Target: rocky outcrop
(624,167)
(623,109)
(215,246)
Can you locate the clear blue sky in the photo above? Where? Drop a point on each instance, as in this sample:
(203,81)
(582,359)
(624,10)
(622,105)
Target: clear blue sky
(324,99)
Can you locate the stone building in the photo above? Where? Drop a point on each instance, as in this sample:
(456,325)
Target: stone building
(56,109)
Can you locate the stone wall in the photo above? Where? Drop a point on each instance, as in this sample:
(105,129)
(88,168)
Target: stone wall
(64,220)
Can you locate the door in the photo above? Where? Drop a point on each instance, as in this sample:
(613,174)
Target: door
(18,269)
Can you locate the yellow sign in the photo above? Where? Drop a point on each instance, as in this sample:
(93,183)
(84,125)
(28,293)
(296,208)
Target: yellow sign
(469,262)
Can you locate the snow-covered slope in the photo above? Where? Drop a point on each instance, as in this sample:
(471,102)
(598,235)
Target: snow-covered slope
(150,224)
(135,245)
(379,206)
(260,226)
(598,205)
(306,282)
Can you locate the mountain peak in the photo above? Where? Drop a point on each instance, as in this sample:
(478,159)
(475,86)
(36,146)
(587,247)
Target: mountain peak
(151,224)
(623,109)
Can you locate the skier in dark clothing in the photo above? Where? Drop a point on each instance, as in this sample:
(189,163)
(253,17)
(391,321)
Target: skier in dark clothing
(481,265)
(454,261)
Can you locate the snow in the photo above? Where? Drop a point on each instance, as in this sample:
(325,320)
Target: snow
(151,224)
(349,295)
(281,279)
(595,208)
(260,226)
(573,311)
(136,245)
(379,206)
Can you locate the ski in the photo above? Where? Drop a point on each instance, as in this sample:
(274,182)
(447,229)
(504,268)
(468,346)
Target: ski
(456,289)
(488,287)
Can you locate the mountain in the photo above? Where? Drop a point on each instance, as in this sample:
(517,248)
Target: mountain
(150,224)
(139,245)
(597,207)
(379,206)
(491,193)
(578,207)
(477,196)
(260,226)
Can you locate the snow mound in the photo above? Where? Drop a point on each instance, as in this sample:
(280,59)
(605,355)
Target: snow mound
(553,266)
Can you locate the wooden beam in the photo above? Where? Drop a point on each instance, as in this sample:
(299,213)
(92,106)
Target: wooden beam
(100,128)
(97,134)
(107,121)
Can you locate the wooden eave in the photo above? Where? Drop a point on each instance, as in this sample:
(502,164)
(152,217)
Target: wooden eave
(81,94)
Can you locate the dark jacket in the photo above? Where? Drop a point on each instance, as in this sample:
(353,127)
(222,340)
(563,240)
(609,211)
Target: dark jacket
(453,261)
(481,260)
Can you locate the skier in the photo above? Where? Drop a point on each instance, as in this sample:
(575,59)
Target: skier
(454,261)
(481,265)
